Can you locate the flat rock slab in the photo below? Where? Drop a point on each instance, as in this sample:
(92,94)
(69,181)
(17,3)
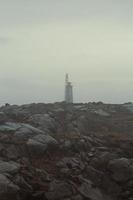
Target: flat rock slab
(19,128)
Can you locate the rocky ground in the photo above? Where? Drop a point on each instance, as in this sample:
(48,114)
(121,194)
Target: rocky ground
(66,152)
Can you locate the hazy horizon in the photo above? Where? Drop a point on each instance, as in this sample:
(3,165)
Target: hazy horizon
(41,41)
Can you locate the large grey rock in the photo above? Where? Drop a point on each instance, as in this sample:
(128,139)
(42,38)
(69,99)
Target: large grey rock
(16,136)
(10,127)
(26,131)
(19,128)
(41,143)
(102,113)
(45,139)
(36,147)
(29,128)
(17,132)
(8,190)
(9,167)
(43,121)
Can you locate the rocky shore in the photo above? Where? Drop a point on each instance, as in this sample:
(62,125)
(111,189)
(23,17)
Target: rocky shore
(66,152)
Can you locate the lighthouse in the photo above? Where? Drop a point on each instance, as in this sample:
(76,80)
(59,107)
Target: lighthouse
(68,90)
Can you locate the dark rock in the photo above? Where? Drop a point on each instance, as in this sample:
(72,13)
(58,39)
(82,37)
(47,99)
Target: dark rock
(101,160)
(89,191)
(20,181)
(94,175)
(67,153)
(110,186)
(12,152)
(77,197)
(3,118)
(8,190)
(121,169)
(59,190)
(43,175)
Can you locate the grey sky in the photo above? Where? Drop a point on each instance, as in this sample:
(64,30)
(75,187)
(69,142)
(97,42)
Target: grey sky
(41,40)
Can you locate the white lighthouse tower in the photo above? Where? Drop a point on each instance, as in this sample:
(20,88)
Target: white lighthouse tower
(68,90)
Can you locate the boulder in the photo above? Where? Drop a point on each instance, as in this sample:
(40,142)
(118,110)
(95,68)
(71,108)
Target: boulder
(16,137)
(43,121)
(102,180)
(40,143)
(101,160)
(9,167)
(110,186)
(26,131)
(12,152)
(21,182)
(8,190)
(59,190)
(89,191)
(121,169)
(10,127)
(94,175)
(3,118)
(19,128)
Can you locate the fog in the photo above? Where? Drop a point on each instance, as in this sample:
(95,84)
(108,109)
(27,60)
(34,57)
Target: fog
(40,41)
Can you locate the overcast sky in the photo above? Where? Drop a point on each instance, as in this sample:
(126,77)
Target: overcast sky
(41,40)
